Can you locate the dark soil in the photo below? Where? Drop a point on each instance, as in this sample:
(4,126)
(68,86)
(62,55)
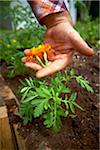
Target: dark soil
(78,132)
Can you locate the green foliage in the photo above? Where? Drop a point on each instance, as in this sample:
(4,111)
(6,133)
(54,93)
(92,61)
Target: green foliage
(89,30)
(22,16)
(15,41)
(84,83)
(16,67)
(41,98)
(12,42)
(83,7)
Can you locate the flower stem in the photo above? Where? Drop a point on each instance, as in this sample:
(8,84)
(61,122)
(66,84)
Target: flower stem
(45,58)
(39,61)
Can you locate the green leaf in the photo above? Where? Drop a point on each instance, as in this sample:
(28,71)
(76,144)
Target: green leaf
(48,119)
(28,82)
(29,99)
(25,94)
(61,112)
(72,107)
(23,89)
(62,89)
(36,101)
(72,72)
(73,97)
(66,113)
(68,90)
(43,92)
(56,124)
(84,83)
(78,106)
(31,81)
(25,122)
(46,106)
(68,78)
(22,82)
(39,110)
(66,103)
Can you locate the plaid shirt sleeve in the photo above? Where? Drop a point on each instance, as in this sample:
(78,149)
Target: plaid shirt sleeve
(42,8)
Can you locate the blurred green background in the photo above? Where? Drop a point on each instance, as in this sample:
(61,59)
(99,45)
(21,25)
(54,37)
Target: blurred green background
(19,30)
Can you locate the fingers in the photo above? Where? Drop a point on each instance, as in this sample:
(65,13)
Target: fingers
(33,65)
(56,65)
(26,51)
(79,44)
(24,59)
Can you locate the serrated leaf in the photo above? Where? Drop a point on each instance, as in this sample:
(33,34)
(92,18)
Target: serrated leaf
(25,122)
(72,72)
(68,90)
(89,88)
(22,82)
(56,124)
(78,106)
(36,101)
(21,113)
(39,110)
(68,78)
(84,83)
(28,82)
(66,103)
(23,89)
(31,81)
(73,97)
(46,91)
(29,99)
(43,92)
(66,113)
(46,106)
(72,107)
(48,119)
(25,94)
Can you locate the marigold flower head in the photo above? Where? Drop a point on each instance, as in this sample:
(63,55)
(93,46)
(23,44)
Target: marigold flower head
(39,51)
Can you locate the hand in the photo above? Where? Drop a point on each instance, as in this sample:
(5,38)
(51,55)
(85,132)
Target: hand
(65,41)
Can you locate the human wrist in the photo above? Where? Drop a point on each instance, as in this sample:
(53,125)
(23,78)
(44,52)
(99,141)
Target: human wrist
(54,19)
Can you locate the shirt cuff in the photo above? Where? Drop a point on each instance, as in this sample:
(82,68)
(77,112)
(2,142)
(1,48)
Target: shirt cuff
(46,7)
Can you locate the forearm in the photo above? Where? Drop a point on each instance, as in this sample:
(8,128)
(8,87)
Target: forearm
(43,8)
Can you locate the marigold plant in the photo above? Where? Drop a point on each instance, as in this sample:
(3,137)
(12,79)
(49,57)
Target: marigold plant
(51,99)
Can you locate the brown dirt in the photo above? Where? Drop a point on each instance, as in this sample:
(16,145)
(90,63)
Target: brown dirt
(80,132)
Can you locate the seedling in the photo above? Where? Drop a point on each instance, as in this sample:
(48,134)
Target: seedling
(44,99)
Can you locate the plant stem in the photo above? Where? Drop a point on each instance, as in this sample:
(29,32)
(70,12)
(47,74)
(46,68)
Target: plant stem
(39,61)
(45,58)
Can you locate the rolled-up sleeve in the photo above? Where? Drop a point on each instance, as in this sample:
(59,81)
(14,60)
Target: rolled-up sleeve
(42,8)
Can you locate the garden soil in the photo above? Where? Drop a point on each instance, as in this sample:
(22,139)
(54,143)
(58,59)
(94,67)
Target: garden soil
(78,132)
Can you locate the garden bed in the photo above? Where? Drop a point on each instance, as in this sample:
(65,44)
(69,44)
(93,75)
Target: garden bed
(78,132)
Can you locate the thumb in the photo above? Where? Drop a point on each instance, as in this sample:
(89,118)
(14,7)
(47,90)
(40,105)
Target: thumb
(79,44)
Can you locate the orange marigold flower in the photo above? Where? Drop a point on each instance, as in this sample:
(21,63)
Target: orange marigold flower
(39,52)
(40,49)
(29,58)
